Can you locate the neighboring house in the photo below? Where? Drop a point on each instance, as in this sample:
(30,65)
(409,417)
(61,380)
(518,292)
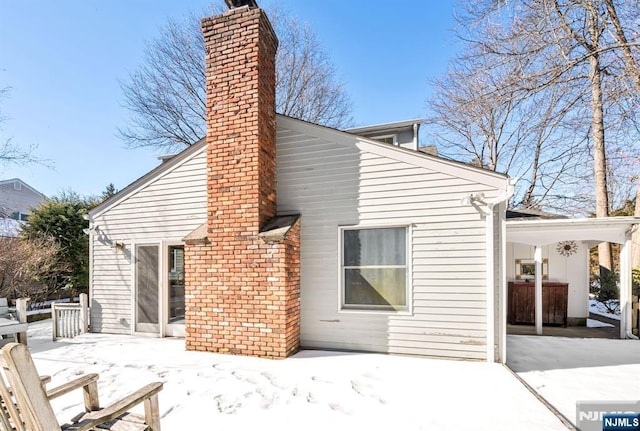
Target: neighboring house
(274,233)
(17,198)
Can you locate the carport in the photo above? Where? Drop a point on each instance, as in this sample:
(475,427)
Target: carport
(539,233)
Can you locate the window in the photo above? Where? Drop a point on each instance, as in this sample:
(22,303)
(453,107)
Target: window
(176,259)
(19,216)
(387,139)
(374,268)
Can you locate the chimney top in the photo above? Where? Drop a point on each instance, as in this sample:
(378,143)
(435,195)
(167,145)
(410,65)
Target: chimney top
(232,4)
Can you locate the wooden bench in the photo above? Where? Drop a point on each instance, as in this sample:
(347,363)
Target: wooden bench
(26,403)
(4,308)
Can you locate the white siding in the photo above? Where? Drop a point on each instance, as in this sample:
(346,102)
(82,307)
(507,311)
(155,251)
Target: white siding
(165,207)
(334,185)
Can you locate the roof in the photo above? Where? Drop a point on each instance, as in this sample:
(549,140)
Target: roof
(197,236)
(384,126)
(529,213)
(23,184)
(278,227)
(549,231)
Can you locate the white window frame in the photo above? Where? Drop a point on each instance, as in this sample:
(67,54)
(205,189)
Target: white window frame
(165,329)
(373,309)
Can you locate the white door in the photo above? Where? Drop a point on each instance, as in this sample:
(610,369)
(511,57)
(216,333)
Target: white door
(159,289)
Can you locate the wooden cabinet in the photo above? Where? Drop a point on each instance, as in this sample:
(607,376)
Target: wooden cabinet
(522,300)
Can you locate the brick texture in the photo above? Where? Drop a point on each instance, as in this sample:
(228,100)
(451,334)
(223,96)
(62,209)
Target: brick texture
(242,293)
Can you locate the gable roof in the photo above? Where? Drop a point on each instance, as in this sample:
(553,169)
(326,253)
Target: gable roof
(166,166)
(22,184)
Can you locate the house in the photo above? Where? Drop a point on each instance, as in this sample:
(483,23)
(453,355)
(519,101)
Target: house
(273,233)
(16,200)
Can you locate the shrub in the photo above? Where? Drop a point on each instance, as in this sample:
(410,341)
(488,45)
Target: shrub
(606,290)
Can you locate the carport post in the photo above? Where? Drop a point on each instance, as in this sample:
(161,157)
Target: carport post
(537,257)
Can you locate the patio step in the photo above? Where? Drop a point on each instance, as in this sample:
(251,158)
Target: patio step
(605,319)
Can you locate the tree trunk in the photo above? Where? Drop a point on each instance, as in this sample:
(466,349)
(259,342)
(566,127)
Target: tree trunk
(635,237)
(599,154)
(634,74)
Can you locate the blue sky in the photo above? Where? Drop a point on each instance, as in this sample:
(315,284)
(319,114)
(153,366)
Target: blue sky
(63,61)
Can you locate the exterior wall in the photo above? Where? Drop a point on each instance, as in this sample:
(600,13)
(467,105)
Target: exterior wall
(167,208)
(334,185)
(405,139)
(573,270)
(331,185)
(241,293)
(12,200)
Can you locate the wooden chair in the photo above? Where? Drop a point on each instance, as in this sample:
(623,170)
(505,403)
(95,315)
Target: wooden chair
(26,403)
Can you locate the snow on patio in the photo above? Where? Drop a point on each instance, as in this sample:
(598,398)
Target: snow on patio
(566,370)
(311,390)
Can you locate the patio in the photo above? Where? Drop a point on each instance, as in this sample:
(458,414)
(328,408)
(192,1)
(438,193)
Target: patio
(611,332)
(565,370)
(311,390)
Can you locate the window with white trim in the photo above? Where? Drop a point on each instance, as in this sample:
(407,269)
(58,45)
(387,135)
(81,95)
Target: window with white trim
(374,268)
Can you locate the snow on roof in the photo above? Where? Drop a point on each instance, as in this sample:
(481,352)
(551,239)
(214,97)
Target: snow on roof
(10,228)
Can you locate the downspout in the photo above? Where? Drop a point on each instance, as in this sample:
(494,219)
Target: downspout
(491,254)
(416,128)
(487,207)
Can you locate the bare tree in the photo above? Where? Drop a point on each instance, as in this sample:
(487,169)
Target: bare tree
(481,113)
(564,45)
(633,74)
(10,152)
(166,95)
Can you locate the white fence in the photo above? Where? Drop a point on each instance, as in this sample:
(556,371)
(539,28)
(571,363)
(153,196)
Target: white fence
(70,319)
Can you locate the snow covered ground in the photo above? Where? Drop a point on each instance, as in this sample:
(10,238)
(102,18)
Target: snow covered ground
(597,307)
(313,390)
(566,370)
(591,323)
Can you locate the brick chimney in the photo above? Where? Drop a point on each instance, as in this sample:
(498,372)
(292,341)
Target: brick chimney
(242,272)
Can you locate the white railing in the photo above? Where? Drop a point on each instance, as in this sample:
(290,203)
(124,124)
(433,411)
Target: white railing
(70,319)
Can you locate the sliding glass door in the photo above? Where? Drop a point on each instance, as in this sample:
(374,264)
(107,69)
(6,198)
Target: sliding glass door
(159,289)
(147,289)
